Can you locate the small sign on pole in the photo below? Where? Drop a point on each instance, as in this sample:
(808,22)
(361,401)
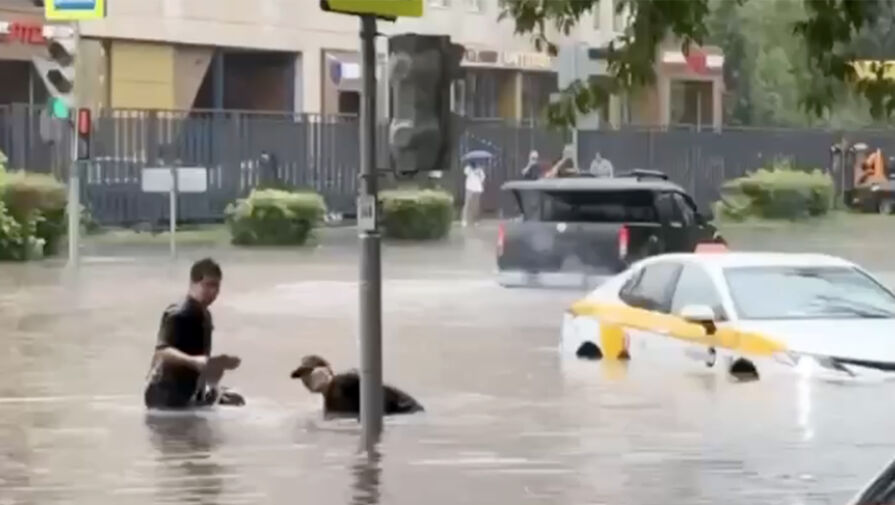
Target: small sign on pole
(160,180)
(163,180)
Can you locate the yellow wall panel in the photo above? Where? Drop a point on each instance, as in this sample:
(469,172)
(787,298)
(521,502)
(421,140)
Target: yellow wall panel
(142,75)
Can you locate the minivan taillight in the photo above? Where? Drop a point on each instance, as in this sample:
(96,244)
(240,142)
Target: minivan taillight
(623,242)
(501,236)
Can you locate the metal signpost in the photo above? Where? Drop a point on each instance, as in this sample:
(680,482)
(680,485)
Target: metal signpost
(174,180)
(368,229)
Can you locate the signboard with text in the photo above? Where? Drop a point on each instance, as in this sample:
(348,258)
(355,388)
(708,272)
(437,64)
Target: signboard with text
(74,10)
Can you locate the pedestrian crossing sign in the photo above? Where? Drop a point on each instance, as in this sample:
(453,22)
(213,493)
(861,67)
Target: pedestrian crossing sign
(74,10)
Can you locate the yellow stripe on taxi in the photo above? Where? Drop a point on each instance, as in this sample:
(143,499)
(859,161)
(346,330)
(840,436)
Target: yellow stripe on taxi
(614,317)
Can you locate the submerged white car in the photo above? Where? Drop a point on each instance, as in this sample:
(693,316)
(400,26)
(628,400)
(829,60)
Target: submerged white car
(742,313)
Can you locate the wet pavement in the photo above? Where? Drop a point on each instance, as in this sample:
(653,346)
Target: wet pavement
(507,421)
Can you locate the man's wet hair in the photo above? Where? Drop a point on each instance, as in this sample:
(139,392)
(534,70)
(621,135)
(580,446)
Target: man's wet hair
(205,268)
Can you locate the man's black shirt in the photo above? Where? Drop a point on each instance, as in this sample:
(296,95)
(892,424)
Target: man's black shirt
(343,397)
(187,327)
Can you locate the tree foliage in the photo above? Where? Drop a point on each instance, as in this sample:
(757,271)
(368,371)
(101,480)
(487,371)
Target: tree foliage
(829,35)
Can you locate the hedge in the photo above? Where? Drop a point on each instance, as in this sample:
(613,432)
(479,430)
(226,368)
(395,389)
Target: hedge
(778,192)
(32,216)
(417,214)
(274,217)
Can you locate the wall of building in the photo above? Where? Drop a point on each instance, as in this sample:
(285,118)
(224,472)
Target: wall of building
(299,27)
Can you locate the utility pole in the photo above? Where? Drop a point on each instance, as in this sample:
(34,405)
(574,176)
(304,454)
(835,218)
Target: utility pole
(74,179)
(371,404)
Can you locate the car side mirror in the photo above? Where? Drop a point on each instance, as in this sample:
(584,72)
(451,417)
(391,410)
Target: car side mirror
(700,314)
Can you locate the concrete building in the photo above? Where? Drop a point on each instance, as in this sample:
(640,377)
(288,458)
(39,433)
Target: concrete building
(21,25)
(288,55)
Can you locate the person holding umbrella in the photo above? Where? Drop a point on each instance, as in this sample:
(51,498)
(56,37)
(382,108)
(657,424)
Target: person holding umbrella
(475,185)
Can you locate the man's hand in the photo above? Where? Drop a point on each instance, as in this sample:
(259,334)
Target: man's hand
(229,362)
(216,365)
(224,362)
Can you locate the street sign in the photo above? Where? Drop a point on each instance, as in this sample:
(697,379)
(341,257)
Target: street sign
(366,213)
(189,180)
(382,8)
(74,10)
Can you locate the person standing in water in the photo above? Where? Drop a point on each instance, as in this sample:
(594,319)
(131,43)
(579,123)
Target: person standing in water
(475,186)
(341,392)
(183,374)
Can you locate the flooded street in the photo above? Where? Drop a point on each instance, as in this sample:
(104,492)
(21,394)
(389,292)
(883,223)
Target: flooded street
(506,421)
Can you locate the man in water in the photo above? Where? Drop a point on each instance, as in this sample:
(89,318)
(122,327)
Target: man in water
(341,392)
(183,372)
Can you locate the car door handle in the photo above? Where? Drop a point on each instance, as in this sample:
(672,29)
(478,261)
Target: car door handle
(676,224)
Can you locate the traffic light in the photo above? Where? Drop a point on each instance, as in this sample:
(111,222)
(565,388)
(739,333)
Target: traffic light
(422,127)
(57,71)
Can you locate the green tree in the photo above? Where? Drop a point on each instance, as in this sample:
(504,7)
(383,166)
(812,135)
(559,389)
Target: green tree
(825,30)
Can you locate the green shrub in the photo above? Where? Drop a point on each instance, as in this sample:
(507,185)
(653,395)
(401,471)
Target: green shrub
(25,193)
(12,238)
(416,214)
(780,192)
(274,217)
(37,202)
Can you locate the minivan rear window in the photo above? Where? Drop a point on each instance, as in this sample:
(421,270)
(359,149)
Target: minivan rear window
(588,206)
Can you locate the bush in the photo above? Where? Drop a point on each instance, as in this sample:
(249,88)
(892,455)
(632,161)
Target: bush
(37,202)
(274,217)
(417,214)
(27,193)
(12,237)
(780,192)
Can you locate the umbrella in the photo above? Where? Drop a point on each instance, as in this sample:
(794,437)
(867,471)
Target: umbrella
(477,155)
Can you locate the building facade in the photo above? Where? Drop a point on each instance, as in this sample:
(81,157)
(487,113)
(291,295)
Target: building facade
(283,55)
(289,56)
(21,38)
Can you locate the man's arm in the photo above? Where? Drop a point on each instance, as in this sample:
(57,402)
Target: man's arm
(172,331)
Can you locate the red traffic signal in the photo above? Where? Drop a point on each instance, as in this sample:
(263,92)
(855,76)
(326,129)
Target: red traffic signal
(83,127)
(83,122)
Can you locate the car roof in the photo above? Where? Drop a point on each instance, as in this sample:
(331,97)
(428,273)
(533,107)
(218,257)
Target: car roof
(754,259)
(593,184)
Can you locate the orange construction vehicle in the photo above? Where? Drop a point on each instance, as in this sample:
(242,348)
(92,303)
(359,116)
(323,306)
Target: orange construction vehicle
(873,189)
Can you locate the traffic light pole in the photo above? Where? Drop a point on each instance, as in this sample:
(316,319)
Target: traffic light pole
(74,179)
(371,403)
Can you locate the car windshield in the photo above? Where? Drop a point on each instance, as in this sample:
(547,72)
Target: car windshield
(807,293)
(603,206)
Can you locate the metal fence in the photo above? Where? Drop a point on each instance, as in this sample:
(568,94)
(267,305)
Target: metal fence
(321,153)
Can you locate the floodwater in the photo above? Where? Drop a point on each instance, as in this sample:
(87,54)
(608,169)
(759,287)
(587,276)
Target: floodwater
(506,421)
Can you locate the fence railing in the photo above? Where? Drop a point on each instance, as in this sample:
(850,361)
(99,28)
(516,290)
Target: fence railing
(321,153)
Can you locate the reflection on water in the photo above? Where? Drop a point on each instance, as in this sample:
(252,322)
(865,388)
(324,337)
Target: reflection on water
(366,470)
(185,446)
(507,421)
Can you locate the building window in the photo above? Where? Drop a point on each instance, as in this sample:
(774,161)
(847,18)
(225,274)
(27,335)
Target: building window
(475,5)
(536,90)
(618,20)
(482,96)
(349,103)
(444,4)
(691,103)
(598,14)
